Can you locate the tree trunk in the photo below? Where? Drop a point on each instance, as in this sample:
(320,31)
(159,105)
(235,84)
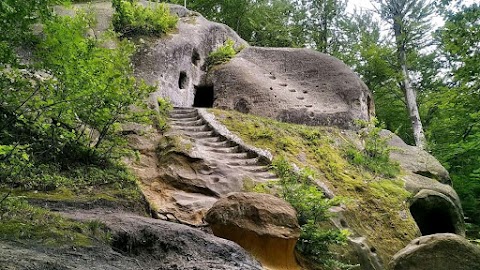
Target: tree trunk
(409,92)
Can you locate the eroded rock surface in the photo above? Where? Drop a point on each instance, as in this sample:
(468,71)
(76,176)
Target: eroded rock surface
(435,205)
(292,85)
(184,174)
(263,224)
(176,63)
(415,160)
(439,252)
(138,243)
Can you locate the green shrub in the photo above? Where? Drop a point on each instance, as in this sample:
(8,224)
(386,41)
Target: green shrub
(223,54)
(164,108)
(375,155)
(312,208)
(132,18)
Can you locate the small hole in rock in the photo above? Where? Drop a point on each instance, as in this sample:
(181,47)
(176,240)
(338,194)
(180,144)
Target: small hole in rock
(182,80)
(195,57)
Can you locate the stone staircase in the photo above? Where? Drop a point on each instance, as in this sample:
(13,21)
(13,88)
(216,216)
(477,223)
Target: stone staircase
(190,123)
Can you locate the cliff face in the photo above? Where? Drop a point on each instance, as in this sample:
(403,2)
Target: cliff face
(291,85)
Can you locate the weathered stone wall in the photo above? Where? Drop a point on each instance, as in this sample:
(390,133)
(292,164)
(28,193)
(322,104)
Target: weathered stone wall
(176,63)
(292,85)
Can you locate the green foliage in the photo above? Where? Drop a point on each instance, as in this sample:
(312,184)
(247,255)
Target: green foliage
(312,208)
(222,54)
(375,155)
(454,128)
(75,177)
(132,18)
(13,160)
(20,221)
(164,108)
(94,83)
(17,17)
(59,127)
(262,23)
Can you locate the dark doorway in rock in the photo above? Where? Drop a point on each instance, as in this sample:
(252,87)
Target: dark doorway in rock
(195,57)
(182,80)
(203,96)
(432,219)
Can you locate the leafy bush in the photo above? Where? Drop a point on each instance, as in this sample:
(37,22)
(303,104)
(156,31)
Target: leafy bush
(17,17)
(95,83)
(164,108)
(223,54)
(67,117)
(312,208)
(376,153)
(132,18)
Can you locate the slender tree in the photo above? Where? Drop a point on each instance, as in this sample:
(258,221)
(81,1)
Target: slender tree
(410,24)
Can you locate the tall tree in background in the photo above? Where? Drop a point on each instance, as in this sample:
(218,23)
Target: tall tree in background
(323,23)
(260,22)
(410,24)
(454,131)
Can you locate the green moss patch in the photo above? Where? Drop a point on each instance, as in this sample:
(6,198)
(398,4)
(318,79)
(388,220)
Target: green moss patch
(376,205)
(22,222)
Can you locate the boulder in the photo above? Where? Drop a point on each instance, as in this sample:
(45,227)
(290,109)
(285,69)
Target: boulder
(293,85)
(435,205)
(263,224)
(439,252)
(415,160)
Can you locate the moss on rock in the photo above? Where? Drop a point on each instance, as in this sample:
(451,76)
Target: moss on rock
(376,206)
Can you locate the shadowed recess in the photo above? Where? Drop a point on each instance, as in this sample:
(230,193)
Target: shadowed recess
(182,80)
(433,217)
(203,96)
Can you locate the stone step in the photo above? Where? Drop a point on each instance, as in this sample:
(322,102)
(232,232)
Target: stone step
(185,120)
(266,175)
(200,134)
(268,179)
(211,139)
(183,109)
(192,128)
(256,169)
(243,162)
(197,122)
(175,115)
(240,155)
(225,150)
(220,144)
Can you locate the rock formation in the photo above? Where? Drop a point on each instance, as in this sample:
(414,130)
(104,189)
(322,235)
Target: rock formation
(185,181)
(435,205)
(184,173)
(439,252)
(264,225)
(292,85)
(177,63)
(138,243)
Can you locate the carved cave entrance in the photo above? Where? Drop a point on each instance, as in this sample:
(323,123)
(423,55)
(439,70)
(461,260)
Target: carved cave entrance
(433,218)
(203,96)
